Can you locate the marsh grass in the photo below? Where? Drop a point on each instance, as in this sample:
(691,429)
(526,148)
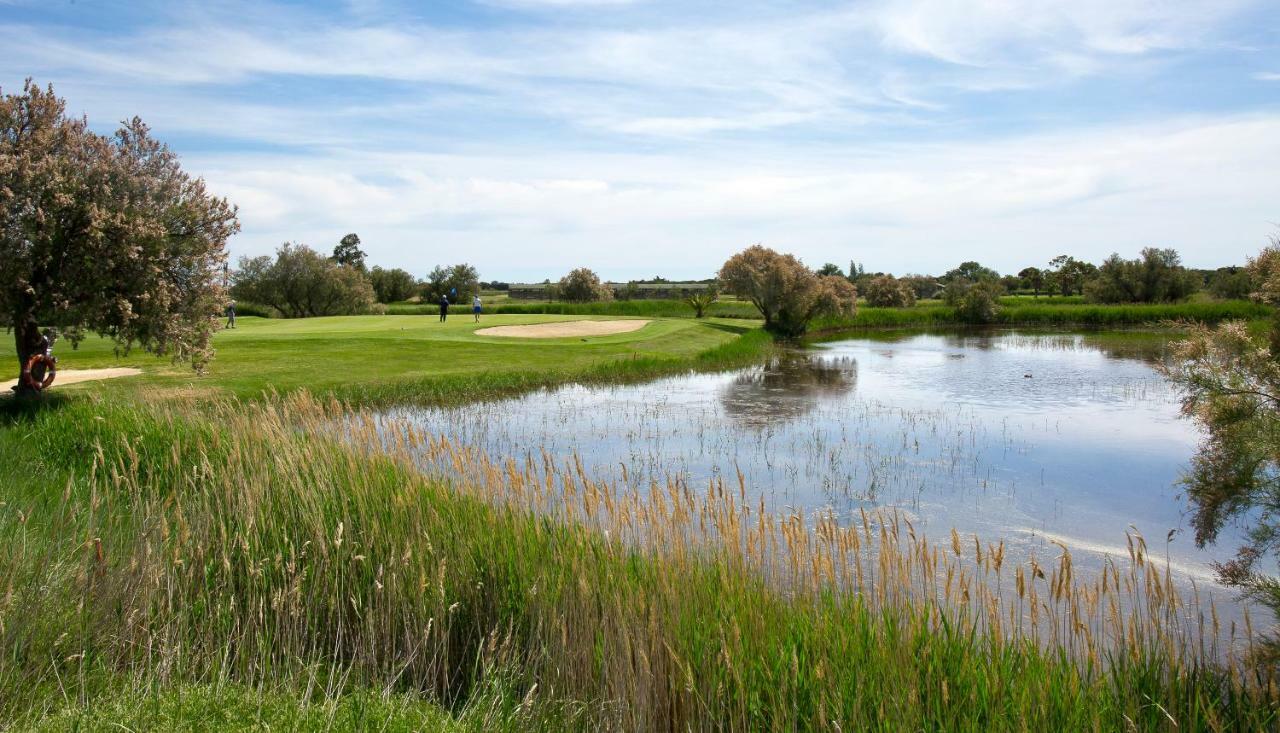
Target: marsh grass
(1056,314)
(293,545)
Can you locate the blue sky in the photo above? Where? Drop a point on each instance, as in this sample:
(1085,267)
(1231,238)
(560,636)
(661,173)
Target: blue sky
(643,137)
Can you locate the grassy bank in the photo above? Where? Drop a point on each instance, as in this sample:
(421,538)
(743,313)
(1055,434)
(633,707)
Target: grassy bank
(1060,314)
(237,549)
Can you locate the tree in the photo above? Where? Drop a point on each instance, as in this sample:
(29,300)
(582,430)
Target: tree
(1070,275)
(392,285)
(975,302)
(788,294)
(971,271)
(1231,283)
(886,291)
(348,252)
(923,286)
(105,233)
(583,286)
(458,282)
(1230,383)
(302,283)
(1157,276)
(700,302)
(1034,279)
(830,268)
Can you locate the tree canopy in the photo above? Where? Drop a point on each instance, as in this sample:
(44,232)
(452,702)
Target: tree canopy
(583,286)
(348,252)
(301,283)
(788,294)
(105,233)
(458,282)
(391,285)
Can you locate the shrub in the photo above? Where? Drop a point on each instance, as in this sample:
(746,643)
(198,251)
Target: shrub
(788,294)
(583,286)
(700,302)
(301,282)
(974,302)
(887,291)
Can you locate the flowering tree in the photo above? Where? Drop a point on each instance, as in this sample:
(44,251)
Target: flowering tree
(1230,380)
(104,233)
(788,294)
(583,286)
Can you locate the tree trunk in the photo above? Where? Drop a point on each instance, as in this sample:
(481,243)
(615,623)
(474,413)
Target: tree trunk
(29,342)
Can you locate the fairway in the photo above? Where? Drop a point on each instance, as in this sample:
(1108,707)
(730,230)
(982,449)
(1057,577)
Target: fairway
(324,354)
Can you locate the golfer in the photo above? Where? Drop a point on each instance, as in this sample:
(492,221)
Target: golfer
(231,314)
(475,307)
(444,307)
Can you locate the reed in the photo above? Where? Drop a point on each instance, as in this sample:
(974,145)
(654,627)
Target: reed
(1024,313)
(296,545)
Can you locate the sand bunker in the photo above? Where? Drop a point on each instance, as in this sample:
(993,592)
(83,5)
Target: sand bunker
(71,376)
(564,329)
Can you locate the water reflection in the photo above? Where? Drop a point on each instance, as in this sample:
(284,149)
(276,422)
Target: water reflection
(786,388)
(1033,438)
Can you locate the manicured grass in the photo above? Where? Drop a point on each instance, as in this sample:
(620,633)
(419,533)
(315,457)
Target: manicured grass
(346,353)
(725,308)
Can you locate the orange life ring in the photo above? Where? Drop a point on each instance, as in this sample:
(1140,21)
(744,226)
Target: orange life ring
(50,369)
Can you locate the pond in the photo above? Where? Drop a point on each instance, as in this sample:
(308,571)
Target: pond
(1033,438)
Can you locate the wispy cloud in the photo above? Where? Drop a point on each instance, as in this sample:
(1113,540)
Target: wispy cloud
(545,133)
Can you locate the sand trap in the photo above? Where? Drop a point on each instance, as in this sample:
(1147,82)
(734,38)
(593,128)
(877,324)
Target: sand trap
(71,376)
(564,329)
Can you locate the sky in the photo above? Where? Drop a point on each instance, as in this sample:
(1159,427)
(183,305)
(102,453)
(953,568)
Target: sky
(658,137)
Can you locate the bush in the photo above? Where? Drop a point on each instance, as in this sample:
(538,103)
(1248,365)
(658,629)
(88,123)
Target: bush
(788,294)
(887,291)
(974,302)
(701,302)
(583,286)
(302,283)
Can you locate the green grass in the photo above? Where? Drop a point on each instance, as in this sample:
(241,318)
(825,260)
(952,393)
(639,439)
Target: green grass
(396,354)
(220,564)
(167,566)
(1026,313)
(639,308)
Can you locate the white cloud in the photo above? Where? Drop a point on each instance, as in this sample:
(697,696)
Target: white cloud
(1008,203)
(1267,76)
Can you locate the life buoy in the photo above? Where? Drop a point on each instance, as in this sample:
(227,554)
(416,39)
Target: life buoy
(50,369)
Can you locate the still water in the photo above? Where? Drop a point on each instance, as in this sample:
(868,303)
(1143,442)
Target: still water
(1028,437)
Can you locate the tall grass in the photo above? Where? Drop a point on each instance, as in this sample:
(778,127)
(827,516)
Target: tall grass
(295,544)
(1024,314)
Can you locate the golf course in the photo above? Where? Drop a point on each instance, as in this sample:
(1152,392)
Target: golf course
(365,355)
(633,365)
(240,564)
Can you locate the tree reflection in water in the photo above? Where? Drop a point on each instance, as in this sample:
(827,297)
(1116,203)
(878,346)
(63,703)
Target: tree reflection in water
(786,388)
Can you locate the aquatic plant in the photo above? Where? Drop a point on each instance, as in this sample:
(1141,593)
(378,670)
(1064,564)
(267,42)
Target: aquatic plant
(295,545)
